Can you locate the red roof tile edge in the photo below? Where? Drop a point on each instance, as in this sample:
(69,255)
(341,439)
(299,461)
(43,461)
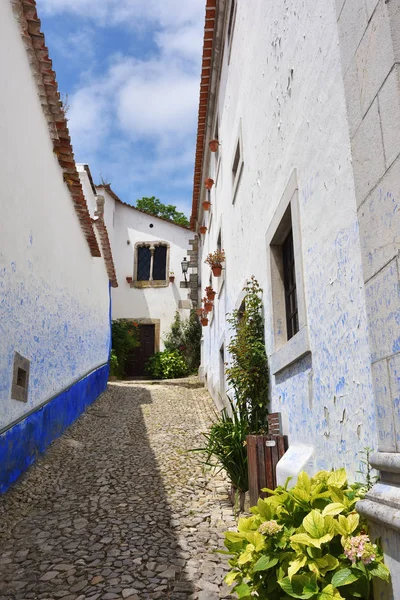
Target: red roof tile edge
(105,241)
(107,187)
(205,86)
(45,78)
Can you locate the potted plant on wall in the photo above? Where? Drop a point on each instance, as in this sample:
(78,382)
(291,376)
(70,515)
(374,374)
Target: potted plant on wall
(129,279)
(171,277)
(210,293)
(208,305)
(213,145)
(206,205)
(204,318)
(203,229)
(208,183)
(215,260)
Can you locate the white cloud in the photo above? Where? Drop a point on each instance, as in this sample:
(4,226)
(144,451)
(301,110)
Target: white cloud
(131,13)
(136,123)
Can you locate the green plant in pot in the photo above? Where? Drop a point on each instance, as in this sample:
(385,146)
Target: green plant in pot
(247,378)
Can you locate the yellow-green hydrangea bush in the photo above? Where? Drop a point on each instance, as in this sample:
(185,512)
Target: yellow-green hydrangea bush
(305,542)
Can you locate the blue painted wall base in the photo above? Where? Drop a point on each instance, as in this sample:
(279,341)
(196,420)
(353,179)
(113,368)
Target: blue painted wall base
(22,443)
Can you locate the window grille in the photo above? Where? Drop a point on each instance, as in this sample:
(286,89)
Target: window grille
(143,263)
(160,263)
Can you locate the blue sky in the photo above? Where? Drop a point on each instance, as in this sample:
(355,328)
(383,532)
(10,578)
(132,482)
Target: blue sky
(131,69)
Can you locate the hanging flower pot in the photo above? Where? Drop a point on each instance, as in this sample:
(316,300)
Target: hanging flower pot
(210,293)
(213,144)
(208,306)
(217,270)
(206,205)
(199,312)
(209,183)
(215,260)
(171,277)
(129,279)
(203,229)
(204,321)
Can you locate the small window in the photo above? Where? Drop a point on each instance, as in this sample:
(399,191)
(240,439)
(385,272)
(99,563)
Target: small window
(160,263)
(144,261)
(236,161)
(289,280)
(231,24)
(151,264)
(237,165)
(20,382)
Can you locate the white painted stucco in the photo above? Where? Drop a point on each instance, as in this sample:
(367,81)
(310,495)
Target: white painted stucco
(54,296)
(283,88)
(126,224)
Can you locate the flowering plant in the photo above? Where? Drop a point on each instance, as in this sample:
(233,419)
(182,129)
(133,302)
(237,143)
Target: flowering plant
(305,542)
(215,258)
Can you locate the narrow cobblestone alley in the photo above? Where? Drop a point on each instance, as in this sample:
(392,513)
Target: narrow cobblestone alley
(117,507)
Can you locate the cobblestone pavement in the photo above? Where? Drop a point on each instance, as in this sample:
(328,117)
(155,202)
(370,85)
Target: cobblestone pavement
(117,507)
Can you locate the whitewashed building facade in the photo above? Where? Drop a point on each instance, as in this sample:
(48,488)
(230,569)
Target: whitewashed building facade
(304,100)
(148,252)
(55,263)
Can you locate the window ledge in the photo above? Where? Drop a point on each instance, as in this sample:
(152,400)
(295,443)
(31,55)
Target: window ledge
(291,351)
(149,284)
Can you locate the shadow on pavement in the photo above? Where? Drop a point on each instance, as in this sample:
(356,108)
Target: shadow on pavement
(91,519)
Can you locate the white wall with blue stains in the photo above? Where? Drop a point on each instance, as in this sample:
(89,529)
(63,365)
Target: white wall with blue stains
(281,84)
(54,296)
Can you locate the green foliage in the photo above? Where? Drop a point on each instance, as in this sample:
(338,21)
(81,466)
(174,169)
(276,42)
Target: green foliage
(113,364)
(366,471)
(124,338)
(305,542)
(153,206)
(184,337)
(226,447)
(248,371)
(166,365)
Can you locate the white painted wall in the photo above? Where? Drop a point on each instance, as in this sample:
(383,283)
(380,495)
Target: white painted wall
(53,295)
(151,303)
(284,85)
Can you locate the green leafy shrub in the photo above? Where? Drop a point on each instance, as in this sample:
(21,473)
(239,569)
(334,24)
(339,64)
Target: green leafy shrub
(247,374)
(225,448)
(184,337)
(166,365)
(113,364)
(124,339)
(305,542)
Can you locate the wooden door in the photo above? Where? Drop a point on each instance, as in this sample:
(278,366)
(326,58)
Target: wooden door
(140,355)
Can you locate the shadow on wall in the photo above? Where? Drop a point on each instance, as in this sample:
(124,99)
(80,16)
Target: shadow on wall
(98,501)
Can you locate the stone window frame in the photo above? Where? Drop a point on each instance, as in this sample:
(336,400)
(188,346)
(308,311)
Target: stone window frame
(20,392)
(237,174)
(287,214)
(151,283)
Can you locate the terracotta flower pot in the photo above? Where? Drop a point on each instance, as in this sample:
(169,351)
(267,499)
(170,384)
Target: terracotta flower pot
(213,145)
(208,306)
(203,229)
(217,270)
(129,279)
(206,205)
(211,295)
(172,278)
(204,322)
(199,312)
(209,183)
